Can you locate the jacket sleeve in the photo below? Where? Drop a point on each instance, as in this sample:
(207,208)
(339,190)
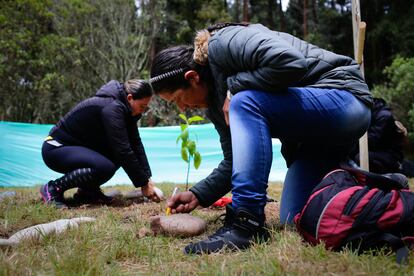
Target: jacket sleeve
(139,151)
(254,58)
(113,117)
(218,183)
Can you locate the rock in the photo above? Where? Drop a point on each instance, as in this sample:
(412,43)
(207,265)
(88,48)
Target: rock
(138,194)
(40,230)
(159,193)
(113,193)
(133,194)
(182,225)
(7,194)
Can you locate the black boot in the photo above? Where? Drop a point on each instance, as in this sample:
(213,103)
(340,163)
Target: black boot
(240,230)
(52,192)
(93,195)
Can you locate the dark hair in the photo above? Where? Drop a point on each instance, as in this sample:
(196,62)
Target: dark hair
(169,66)
(139,89)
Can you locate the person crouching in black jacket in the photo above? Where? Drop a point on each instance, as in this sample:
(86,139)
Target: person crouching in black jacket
(94,139)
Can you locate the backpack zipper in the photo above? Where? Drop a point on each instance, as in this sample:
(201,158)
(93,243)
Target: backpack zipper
(368,208)
(355,199)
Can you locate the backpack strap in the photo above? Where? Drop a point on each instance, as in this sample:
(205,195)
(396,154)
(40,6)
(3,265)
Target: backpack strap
(397,244)
(365,241)
(387,181)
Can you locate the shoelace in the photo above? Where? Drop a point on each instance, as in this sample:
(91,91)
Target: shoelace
(224,228)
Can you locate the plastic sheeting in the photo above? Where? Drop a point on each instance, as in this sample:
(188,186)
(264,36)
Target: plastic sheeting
(21,162)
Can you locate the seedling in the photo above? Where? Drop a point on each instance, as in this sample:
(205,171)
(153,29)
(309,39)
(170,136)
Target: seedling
(188,147)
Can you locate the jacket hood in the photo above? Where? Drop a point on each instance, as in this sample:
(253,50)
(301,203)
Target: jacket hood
(200,55)
(113,89)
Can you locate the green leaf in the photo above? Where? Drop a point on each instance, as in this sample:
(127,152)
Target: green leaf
(184,135)
(184,154)
(184,144)
(182,116)
(195,119)
(183,127)
(191,145)
(178,139)
(197,159)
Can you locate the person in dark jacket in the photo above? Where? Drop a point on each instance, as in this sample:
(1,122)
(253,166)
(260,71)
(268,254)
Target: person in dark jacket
(386,138)
(94,139)
(258,84)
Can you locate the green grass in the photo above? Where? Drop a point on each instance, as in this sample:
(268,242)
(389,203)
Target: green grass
(111,245)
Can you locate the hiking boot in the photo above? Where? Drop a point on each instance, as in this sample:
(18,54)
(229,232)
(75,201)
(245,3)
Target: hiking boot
(240,230)
(53,195)
(92,196)
(227,222)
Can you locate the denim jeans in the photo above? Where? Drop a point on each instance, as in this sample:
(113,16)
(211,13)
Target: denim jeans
(325,122)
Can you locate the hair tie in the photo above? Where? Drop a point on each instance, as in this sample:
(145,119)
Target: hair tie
(166,75)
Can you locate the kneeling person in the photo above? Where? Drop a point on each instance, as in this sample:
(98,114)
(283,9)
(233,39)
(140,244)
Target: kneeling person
(94,139)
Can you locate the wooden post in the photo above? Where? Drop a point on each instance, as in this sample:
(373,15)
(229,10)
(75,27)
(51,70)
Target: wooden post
(358,29)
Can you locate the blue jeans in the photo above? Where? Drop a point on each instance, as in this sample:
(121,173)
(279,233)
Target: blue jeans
(325,122)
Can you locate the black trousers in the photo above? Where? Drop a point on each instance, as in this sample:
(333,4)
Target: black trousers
(66,159)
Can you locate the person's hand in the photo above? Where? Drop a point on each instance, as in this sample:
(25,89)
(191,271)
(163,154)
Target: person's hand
(148,191)
(226,108)
(183,202)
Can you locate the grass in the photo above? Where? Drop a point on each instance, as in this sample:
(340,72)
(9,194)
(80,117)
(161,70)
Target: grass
(111,245)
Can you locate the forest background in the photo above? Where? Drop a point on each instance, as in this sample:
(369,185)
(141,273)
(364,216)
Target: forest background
(54,53)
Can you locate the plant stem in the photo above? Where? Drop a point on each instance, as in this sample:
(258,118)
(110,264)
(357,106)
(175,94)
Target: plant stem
(188,172)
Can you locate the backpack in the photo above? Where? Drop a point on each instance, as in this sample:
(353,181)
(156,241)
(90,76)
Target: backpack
(359,210)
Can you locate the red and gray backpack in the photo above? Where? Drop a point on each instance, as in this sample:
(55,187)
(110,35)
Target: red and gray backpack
(359,210)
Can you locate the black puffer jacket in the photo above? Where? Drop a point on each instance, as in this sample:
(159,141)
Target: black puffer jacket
(104,123)
(255,58)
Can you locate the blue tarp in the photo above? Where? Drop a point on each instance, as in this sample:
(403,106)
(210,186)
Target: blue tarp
(21,162)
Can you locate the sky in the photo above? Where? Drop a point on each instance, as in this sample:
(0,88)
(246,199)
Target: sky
(284,4)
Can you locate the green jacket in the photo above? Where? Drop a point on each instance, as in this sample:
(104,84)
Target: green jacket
(256,58)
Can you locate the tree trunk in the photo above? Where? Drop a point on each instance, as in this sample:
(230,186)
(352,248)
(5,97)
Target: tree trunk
(237,11)
(305,19)
(246,11)
(282,25)
(270,8)
(314,12)
(154,29)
